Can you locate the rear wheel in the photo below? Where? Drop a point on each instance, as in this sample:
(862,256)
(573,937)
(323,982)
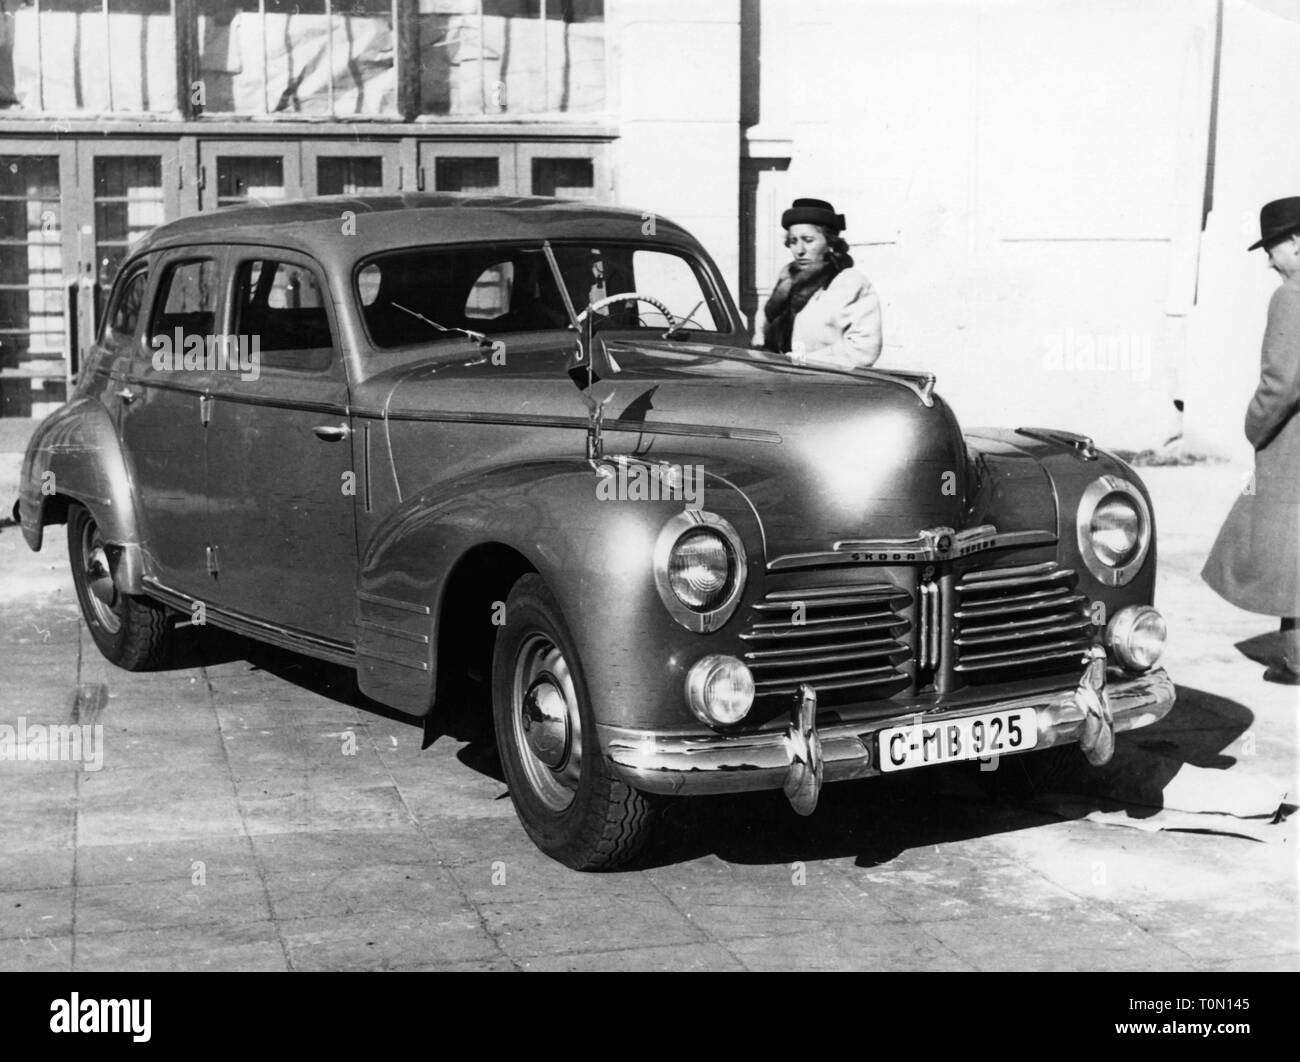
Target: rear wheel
(569,802)
(132,632)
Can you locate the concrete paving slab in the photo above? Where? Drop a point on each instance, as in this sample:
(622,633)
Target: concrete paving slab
(309,850)
(34,868)
(171,903)
(545,927)
(35,913)
(166,861)
(178,820)
(387,940)
(671,957)
(36,955)
(837,947)
(1089,939)
(344,891)
(246,946)
(329,809)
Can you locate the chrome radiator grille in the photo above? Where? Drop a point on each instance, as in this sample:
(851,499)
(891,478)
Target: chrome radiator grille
(847,639)
(1012,621)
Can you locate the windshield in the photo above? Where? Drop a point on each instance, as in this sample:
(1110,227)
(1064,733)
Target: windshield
(432,293)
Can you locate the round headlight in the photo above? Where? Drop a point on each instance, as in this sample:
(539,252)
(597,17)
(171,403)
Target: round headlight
(720,690)
(700,570)
(1114,530)
(1136,635)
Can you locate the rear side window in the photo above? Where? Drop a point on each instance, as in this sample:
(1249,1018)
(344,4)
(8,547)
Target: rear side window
(187,302)
(280,307)
(124,314)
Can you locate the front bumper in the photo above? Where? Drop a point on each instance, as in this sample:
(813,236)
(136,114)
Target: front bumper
(801,758)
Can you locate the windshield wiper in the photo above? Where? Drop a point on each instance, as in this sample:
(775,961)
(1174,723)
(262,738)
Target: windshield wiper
(682,322)
(478,337)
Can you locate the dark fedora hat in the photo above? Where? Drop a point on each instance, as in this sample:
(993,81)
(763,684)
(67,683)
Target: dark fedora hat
(1278,218)
(812,212)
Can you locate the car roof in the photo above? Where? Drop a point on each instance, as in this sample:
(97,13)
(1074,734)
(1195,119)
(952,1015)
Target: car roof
(343,228)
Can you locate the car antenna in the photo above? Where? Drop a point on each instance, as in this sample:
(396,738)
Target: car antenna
(478,337)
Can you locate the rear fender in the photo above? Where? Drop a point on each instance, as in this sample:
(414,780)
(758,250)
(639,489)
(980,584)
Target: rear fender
(75,455)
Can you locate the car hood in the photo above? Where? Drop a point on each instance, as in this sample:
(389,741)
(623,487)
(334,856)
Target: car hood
(821,456)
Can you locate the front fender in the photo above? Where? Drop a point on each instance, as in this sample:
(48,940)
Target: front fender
(595,556)
(75,454)
(1069,474)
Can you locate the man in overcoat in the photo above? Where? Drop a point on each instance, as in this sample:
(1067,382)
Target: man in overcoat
(1255,562)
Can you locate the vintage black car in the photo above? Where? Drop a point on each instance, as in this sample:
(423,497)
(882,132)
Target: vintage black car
(523,444)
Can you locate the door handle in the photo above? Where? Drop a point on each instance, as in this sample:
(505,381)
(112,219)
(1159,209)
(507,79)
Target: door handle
(332,432)
(127,395)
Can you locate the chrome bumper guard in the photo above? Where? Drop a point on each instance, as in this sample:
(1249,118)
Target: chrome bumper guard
(803,758)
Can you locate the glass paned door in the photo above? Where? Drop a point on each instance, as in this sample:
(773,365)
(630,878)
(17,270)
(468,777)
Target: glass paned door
(125,188)
(129,202)
(233,174)
(33,296)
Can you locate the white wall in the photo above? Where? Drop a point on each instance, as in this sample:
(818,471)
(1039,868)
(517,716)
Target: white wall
(1022,181)
(677,105)
(1258,160)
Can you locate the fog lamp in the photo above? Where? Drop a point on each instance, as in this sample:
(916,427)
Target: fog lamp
(1136,635)
(719,689)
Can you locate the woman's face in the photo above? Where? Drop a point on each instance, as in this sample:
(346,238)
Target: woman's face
(807,243)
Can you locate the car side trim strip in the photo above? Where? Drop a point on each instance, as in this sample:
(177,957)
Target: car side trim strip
(392,632)
(537,420)
(274,633)
(392,602)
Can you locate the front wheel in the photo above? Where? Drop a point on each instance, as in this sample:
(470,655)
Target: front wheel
(132,632)
(569,802)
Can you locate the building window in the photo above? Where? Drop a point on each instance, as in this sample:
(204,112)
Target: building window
(32,295)
(243,177)
(97,56)
(564,178)
(297,57)
(349,175)
(128,203)
(486,57)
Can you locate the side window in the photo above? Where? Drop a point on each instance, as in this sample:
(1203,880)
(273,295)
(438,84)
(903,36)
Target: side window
(671,279)
(186,307)
(489,298)
(280,311)
(123,315)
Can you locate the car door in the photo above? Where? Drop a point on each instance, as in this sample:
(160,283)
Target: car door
(161,413)
(280,480)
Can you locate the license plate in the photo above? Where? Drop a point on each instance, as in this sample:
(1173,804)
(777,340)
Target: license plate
(948,740)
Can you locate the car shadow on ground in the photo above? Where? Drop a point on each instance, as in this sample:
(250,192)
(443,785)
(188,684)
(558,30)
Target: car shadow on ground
(877,820)
(873,820)
(469,721)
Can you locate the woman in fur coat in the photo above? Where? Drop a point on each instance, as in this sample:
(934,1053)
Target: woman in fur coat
(822,311)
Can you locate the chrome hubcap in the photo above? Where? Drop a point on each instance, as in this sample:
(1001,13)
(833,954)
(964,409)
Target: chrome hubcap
(547,725)
(98,576)
(546,721)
